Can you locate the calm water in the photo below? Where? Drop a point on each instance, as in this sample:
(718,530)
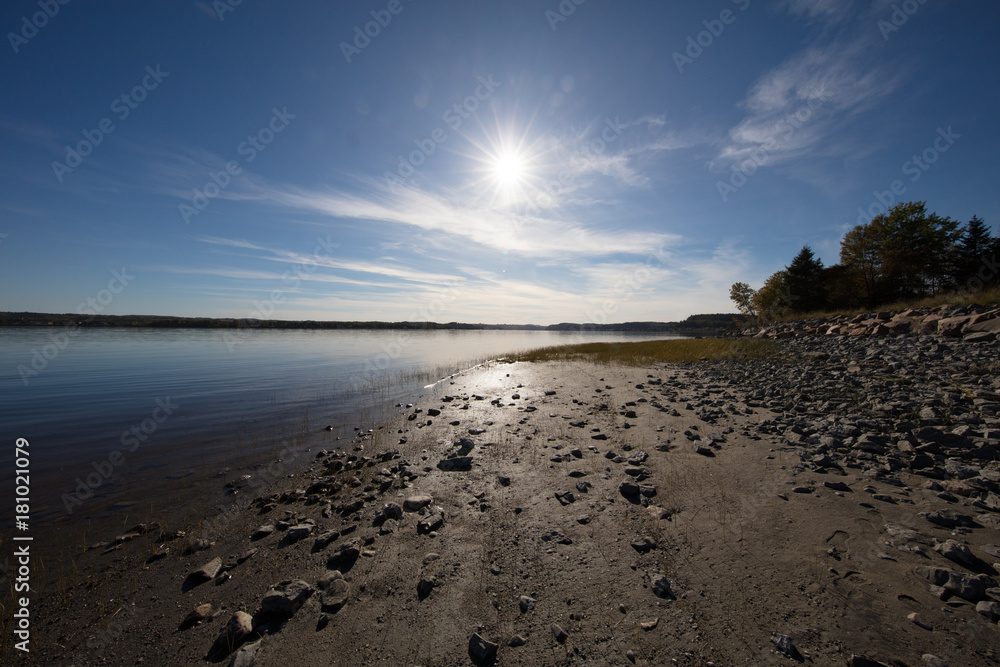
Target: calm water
(133,421)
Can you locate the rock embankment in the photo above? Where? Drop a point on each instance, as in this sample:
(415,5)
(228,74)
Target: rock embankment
(975,323)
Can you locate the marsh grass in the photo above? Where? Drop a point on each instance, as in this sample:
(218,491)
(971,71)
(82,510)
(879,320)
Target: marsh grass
(655,351)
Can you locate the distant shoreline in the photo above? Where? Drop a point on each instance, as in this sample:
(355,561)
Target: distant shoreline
(694,325)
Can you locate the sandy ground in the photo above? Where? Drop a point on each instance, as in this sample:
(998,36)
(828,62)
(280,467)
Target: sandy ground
(741,559)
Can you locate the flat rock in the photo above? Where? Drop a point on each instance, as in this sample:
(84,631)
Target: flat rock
(988,608)
(202,612)
(323,540)
(956,551)
(300,531)
(432,521)
(343,557)
(458,463)
(416,503)
(336,590)
(948,518)
(207,572)
(965,586)
(246,656)
(236,631)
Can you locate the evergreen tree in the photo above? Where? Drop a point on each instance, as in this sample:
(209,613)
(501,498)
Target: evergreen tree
(975,246)
(804,280)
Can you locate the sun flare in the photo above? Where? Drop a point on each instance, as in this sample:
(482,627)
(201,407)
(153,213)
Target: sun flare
(508,169)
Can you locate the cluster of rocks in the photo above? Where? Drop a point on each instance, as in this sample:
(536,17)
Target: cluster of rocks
(973,323)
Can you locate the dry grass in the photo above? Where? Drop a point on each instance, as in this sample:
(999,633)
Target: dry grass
(654,351)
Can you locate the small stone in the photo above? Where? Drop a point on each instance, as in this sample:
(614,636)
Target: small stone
(643,545)
(527,604)
(649,625)
(988,608)
(246,656)
(301,531)
(932,660)
(284,599)
(517,640)
(480,650)
(207,572)
(262,532)
(324,540)
(661,586)
(344,557)
(416,503)
(237,630)
(565,498)
(558,633)
(919,621)
(628,489)
(202,612)
(335,591)
(432,522)
(784,644)
(459,463)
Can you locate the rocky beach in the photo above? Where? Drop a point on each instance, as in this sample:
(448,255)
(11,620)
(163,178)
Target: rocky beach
(836,502)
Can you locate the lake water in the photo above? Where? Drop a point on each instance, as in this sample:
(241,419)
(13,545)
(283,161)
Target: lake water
(125,424)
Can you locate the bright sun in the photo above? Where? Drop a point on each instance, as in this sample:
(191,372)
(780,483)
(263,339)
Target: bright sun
(508,169)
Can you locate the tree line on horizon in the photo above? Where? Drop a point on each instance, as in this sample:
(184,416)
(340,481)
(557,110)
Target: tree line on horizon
(903,255)
(694,323)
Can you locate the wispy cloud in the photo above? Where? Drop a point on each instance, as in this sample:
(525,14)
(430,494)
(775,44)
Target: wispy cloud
(384,268)
(796,107)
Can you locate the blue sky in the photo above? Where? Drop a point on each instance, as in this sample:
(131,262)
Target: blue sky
(479,161)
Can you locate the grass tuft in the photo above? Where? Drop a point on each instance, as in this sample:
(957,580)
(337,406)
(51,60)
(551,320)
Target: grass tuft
(654,351)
